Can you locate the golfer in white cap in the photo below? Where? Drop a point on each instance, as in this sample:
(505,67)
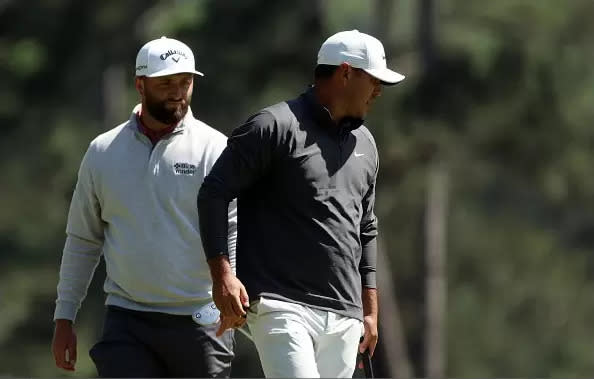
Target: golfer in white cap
(304,174)
(135,203)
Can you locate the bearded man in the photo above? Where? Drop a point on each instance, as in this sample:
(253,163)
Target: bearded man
(135,204)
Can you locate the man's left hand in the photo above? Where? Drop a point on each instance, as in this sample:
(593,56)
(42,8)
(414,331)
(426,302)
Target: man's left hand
(370,337)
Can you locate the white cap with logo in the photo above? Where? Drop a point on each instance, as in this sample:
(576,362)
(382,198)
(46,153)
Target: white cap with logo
(359,50)
(165,56)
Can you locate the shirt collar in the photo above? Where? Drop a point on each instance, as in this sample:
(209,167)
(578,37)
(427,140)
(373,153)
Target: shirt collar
(153,135)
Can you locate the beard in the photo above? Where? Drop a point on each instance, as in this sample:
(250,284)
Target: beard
(159,111)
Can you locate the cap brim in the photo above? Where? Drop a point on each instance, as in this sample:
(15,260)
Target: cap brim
(173,72)
(386,75)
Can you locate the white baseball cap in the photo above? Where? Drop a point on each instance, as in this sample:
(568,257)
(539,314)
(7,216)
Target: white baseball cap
(165,56)
(359,50)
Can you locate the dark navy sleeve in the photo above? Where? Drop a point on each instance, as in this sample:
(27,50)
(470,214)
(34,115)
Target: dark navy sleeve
(368,263)
(248,156)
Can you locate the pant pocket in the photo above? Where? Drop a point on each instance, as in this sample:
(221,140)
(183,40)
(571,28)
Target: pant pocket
(97,355)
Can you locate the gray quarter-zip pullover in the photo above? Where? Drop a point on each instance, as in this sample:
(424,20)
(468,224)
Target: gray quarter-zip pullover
(135,203)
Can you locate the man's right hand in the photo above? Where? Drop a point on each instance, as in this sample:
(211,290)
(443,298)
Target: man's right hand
(64,345)
(228,293)
(231,298)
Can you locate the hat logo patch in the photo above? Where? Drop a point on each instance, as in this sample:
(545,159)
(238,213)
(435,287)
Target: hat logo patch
(173,52)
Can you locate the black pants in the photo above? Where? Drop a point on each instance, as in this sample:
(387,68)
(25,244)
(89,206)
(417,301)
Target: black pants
(148,344)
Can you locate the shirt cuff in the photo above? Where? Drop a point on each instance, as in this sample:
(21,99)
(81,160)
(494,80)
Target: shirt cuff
(368,279)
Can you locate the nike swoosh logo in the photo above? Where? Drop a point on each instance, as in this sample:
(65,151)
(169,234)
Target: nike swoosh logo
(359,155)
(176,60)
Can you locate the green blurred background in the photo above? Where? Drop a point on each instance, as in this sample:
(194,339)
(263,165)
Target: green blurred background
(487,143)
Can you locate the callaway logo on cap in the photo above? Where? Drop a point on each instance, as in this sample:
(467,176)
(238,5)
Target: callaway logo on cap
(359,50)
(165,56)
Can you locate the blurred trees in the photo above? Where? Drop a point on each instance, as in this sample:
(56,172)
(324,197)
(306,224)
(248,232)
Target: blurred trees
(506,106)
(505,109)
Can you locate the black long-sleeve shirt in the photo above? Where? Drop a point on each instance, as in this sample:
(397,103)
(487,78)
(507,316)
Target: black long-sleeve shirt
(306,190)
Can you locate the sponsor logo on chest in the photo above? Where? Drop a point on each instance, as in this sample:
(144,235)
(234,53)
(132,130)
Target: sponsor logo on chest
(183,168)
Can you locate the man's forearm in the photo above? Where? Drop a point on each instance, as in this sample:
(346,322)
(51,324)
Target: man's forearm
(370,306)
(213,211)
(219,266)
(79,261)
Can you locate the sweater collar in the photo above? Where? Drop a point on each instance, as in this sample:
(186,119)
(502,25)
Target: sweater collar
(323,116)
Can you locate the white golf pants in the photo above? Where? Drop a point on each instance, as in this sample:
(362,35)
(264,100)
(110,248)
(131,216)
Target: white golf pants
(302,342)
